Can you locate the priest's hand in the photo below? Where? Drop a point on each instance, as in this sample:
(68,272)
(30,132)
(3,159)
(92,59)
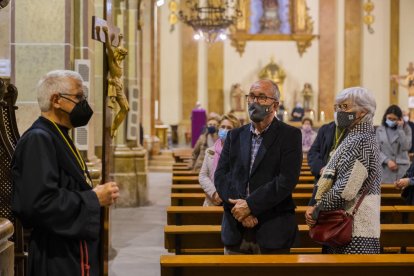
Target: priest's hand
(107,193)
(240,209)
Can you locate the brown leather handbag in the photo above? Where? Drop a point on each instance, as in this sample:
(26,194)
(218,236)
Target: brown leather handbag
(334,228)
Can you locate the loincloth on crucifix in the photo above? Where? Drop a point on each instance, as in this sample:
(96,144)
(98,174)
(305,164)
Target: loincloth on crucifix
(116,94)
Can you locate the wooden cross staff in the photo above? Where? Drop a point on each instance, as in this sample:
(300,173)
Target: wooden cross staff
(100,36)
(106,137)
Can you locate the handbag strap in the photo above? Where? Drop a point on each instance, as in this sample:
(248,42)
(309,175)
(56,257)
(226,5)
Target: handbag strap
(364,193)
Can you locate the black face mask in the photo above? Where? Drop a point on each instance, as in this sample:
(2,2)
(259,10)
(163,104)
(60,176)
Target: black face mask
(80,114)
(211,129)
(344,119)
(257,112)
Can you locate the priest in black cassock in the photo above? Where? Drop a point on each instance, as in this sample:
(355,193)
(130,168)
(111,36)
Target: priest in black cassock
(53,194)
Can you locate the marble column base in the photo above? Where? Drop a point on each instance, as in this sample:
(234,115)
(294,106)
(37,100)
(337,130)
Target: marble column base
(130,173)
(95,171)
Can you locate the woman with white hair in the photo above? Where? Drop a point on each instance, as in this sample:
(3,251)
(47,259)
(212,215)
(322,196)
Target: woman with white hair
(353,169)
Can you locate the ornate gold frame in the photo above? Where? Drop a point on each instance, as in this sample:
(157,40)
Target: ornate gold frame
(301,22)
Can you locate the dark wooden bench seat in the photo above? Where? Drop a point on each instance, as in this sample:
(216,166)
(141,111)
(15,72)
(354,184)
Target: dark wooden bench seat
(212,215)
(291,264)
(301,199)
(177,238)
(183,171)
(191,179)
(300,188)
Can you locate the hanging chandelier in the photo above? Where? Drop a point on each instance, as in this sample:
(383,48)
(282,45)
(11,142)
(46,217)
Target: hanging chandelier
(209,19)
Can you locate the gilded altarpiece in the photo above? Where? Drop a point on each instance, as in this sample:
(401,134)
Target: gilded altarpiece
(265,20)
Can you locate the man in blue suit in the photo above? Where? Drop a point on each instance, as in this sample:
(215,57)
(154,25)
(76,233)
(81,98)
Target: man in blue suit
(258,170)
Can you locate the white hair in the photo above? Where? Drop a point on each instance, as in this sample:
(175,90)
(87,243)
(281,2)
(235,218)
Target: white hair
(362,100)
(54,82)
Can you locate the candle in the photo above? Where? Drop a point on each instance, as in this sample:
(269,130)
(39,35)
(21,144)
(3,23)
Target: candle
(285,116)
(312,115)
(322,117)
(156,110)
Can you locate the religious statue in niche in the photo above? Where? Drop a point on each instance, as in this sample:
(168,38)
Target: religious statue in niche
(237,98)
(270,20)
(269,17)
(274,72)
(286,20)
(238,102)
(115,83)
(407,82)
(307,94)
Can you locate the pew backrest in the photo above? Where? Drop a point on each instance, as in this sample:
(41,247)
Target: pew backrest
(276,265)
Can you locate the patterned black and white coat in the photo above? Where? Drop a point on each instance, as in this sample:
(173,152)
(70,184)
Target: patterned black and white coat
(355,166)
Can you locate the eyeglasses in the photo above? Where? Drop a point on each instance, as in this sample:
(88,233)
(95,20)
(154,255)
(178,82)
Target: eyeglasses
(342,107)
(79,97)
(261,98)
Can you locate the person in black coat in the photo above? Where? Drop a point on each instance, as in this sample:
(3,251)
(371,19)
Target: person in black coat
(52,190)
(406,118)
(318,154)
(406,185)
(257,172)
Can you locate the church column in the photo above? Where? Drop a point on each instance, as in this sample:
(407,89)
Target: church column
(155,64)
(84,55)
(189,81)
(394,47)
(215,77)
(353,42)
(130,159)
(39,44)
(327,56)
(5,29)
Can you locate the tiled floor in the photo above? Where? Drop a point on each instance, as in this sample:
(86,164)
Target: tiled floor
(137,233)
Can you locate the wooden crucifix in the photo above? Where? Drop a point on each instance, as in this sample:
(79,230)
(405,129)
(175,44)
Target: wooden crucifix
(407,81)
(104,31)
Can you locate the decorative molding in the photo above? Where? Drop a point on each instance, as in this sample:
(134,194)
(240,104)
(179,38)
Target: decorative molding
(300,21)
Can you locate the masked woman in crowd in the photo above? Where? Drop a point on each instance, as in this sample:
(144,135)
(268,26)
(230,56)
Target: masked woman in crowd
(353,171)
(212,156)
(394,139)
(206,140)
(308,135)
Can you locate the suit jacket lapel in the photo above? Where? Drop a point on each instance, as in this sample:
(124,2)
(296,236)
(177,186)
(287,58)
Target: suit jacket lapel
(269,138)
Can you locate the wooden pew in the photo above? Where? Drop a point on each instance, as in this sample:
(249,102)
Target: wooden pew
(180,155)
(181,168)
(186,188)
(191,179)
(205,238)
(281,265)
(188,172)
(301,199)
(6,247)
(212,215)
(300,188)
